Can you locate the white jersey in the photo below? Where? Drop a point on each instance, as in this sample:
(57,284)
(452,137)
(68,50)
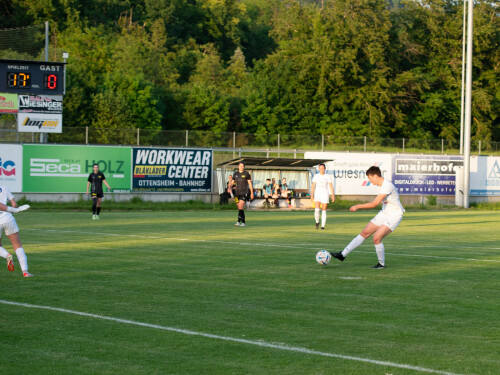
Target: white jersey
(391,204)
(5,196)
(322,181)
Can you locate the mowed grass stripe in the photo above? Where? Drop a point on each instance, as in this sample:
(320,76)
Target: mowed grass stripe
(233,339)
(276,245)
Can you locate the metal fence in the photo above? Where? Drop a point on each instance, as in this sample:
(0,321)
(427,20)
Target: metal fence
(284,145)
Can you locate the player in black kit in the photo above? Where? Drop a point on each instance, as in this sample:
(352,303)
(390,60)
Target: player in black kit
(243,192)
(95,181)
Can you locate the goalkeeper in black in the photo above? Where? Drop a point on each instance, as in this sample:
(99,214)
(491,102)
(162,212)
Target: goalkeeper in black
(243,192)
(95,181)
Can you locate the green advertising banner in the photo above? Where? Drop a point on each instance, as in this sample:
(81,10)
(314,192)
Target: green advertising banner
(65,169)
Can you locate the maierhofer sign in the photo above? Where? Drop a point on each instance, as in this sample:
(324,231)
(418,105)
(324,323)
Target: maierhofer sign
(172,170)
(41,103)
(39,122)
(426,175)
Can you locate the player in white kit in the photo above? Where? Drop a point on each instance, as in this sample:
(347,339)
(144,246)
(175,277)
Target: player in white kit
(9,226)
(320,194)
(384,223)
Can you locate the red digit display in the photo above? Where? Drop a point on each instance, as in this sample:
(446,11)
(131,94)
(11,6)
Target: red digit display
(50,82)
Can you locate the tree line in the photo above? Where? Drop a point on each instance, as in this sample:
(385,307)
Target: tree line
(376,68)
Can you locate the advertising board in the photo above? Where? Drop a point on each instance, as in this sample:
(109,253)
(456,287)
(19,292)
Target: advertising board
(11,167)
(8,103)
(485,176)
(348,170)
(65,169)
(41,103)
(172,170)
(425,174)
(39,122)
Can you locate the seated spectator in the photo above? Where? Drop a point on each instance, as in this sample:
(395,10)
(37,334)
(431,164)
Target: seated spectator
(275,192)
(229,192)
(285,193)
(267,191)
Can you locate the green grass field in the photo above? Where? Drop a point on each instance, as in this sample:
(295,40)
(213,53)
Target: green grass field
(189,293)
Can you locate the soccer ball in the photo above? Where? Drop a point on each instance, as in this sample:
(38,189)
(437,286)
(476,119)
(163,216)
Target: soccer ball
(323,257)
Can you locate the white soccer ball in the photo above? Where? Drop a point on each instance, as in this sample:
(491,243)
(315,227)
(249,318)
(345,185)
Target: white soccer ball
(323,257)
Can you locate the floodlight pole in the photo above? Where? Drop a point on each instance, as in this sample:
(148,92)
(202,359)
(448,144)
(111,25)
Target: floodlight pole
(468,105)
(464,25)
(42,135)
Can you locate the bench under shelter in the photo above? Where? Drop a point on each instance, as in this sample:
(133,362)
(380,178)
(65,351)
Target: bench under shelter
(298,174)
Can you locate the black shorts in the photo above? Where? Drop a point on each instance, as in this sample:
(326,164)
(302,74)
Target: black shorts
(97,195)
(244,198)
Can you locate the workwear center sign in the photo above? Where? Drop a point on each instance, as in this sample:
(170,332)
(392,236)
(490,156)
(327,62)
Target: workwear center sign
(172,170)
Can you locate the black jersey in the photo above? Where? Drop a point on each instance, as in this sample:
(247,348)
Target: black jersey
(96,180)
(241,179)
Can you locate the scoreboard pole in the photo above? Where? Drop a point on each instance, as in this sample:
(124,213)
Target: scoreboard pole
(43,137)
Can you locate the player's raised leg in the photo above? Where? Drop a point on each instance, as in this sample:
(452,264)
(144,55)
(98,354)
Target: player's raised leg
(369,229)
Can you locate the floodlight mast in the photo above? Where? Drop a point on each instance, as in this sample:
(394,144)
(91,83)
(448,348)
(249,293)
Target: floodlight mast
(462,96)
(468,105)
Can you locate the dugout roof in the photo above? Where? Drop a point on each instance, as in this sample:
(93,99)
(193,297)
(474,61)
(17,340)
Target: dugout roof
(274,163)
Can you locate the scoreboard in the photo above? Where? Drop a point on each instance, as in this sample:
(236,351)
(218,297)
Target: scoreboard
(32,77)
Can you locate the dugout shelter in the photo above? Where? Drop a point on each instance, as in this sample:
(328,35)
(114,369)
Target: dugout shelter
(298,174)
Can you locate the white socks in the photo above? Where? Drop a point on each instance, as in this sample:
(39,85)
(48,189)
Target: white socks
(354,244)
(323,219)
(23,260)
(3,252)
(380,253)
(316,215)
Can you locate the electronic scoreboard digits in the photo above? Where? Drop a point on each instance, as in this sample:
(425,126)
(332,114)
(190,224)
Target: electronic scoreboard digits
(31,77)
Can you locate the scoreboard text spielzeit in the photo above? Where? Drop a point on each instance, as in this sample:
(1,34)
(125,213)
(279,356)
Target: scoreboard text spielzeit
(31,77)
(172,170)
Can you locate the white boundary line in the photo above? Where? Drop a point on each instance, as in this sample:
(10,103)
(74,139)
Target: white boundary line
(263,344)
(268,244)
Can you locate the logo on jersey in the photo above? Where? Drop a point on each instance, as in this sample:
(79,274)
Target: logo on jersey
(7,168)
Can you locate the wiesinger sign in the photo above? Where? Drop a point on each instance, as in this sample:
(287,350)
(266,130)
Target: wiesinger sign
(65,169)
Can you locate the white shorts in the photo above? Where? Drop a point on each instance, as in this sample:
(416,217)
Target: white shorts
(10,227)
(322,197)
(391,221)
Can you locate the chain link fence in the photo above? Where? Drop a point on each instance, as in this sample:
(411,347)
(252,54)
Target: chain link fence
(284,145)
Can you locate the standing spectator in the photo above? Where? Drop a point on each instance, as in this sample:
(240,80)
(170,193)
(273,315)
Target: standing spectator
(95,181)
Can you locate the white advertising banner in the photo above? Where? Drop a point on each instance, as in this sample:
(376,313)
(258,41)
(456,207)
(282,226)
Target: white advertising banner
(39,123)
(41,103)
(348,170)
(11,167)
(485,176)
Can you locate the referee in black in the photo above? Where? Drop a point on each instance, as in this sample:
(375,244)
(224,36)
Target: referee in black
(243,192)
(95,180)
